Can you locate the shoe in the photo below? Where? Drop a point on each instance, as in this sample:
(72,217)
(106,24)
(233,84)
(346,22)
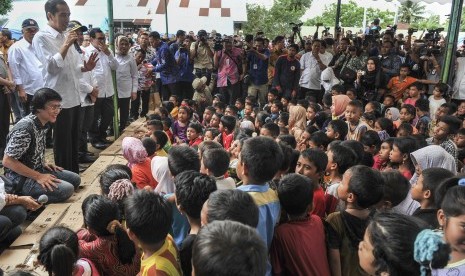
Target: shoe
(105,141)
(86,159)
(89,153)
(99,145)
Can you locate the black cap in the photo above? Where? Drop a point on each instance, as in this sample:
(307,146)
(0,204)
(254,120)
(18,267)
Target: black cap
(76,25)
(202,33)
(29,23)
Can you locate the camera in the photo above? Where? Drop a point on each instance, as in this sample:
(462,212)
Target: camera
(296,27)
(434,35)
(412,30)
(218,44)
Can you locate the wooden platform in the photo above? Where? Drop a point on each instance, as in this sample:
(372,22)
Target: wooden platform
(22,254)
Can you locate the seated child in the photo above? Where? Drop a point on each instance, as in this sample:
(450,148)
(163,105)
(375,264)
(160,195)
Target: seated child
(395,190)
(215,163)
(361,188)
(192,190)
(446,126)
(382,160)
(179,127)
(289,250)
(318,140)
(226,127)
(234,205)
(444,109)
(160,137)
(312,164)
(388,102)
(424,190)
(404,130)
(150,147)
(150,233)
(270,129)
(209,256)
(437,99)
(385,128)
(231,110)
(337,130)
(111,174)
(211,134)
(194,134)
(215,121)
(276,109)
(59,254)
(105,241)
(207,116)
(138,162)
(422,106)
(371,142)
(175,101)
(356,127)
(239,104)
(415,91)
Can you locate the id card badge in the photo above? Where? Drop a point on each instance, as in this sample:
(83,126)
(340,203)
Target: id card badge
(227,61)
(255,66)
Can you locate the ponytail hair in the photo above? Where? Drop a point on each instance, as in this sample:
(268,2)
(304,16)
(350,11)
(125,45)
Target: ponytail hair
(103,217)
(430,251)
(58,251)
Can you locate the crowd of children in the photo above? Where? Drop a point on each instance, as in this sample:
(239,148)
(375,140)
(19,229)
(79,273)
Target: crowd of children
(290,188)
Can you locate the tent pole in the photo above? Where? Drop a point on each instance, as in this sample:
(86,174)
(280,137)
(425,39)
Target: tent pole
(452,36)
(111,39)
(166,17)
(338,15)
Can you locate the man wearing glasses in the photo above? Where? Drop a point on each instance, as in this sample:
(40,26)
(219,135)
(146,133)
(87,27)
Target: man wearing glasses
(62,69)
(24,159)
(25,67)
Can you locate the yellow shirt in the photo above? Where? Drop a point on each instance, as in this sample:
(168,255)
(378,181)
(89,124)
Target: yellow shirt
(162,262)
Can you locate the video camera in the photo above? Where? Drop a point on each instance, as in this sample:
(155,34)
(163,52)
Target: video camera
(434,35)
(410,31)
(296,27)
(218,42)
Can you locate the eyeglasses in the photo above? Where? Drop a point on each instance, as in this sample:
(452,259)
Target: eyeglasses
(86,39)
(56,107)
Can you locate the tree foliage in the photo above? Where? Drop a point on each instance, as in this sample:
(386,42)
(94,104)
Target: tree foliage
(351,16)
(410,12)
(275,20)
(5,6)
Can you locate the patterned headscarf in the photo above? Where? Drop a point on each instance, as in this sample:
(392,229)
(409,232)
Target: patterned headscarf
(133,151)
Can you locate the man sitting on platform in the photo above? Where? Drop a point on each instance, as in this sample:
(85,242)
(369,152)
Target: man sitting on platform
(24,158)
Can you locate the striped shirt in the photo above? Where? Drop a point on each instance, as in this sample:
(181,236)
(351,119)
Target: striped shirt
(162,262)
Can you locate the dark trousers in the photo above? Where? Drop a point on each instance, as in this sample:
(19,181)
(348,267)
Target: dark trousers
(66,139)
(4,120)
(123,105)
(86,117)
(316,94)
(144,96)
(231,92)
(185,90)
(199,73)
(27,105)
(11,218)
(103,116)
(170,89)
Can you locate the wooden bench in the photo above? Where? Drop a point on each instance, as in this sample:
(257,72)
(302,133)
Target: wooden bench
(22,254)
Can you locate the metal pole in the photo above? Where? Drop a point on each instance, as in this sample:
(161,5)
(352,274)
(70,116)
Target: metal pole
(338,16)
(166,17)
(111,32)
(452,36)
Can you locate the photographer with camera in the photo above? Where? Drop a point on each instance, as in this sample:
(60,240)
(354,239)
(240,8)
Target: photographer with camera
(185,64)
(231,69)
(277,51)
(390,60)
(257,69)
(341,50)
(432,56)
(202,55)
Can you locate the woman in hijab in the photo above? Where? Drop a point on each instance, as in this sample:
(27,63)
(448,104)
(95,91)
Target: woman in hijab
(297,120)
(162,175)
(371,82)
(329,79)
(392,114)
(134,151)
(433,156)
(339,105)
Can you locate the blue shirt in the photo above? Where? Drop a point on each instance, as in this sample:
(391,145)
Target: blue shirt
(165,64)
(180,226)
(258,68)
(186,66)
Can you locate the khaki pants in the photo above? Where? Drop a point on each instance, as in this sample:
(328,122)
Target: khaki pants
(259,92)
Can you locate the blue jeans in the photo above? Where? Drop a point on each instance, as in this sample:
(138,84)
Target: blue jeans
(69,182)
(11,218)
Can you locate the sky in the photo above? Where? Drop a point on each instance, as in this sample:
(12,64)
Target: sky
(318,6)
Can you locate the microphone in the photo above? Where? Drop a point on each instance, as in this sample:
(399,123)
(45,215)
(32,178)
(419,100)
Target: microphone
(42,199)
(78,48)
(76,44)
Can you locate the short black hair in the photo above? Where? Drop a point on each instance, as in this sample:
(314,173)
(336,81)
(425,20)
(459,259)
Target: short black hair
(216,161)
(343,157)
(228,122)
(155,35)
(192,190)
(161,137)
(317,157)
(339,88)
(263,157)
(112,173)
(272,128)
(417,85)
(406,127)
(51,6)
(235,205)
(273,91)
(339,126)
(156,123)
(371,138)
(453,122)
(443,88)
(422,104)
(288,139)
(150,145)
(182,159)
(148,216)
(396,187)
(319,138)
(295,193)
(246,252)
(409,108)
(94,31)
(357,104)
(197,127)
(356,147)
(386,125)
(7,33)
(451,108)
(42,97)
(367,185)
(432,178)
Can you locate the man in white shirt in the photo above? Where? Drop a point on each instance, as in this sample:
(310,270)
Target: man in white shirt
(103,108)
(62,69)
(25,67)
(311,65)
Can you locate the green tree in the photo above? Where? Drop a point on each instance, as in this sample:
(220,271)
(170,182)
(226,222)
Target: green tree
(275,20)
(351,16)
(410,12)
(5,6)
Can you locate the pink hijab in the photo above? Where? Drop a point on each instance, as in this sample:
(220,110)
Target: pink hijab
(133,151)
(340,103)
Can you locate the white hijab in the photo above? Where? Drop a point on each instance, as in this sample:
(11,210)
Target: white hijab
(162,175)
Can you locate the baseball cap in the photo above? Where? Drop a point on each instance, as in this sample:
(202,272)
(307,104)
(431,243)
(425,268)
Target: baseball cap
(196,83)
(29,23)
(73,24)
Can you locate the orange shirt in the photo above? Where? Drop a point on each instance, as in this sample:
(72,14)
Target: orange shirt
(398,87)
(142,175)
